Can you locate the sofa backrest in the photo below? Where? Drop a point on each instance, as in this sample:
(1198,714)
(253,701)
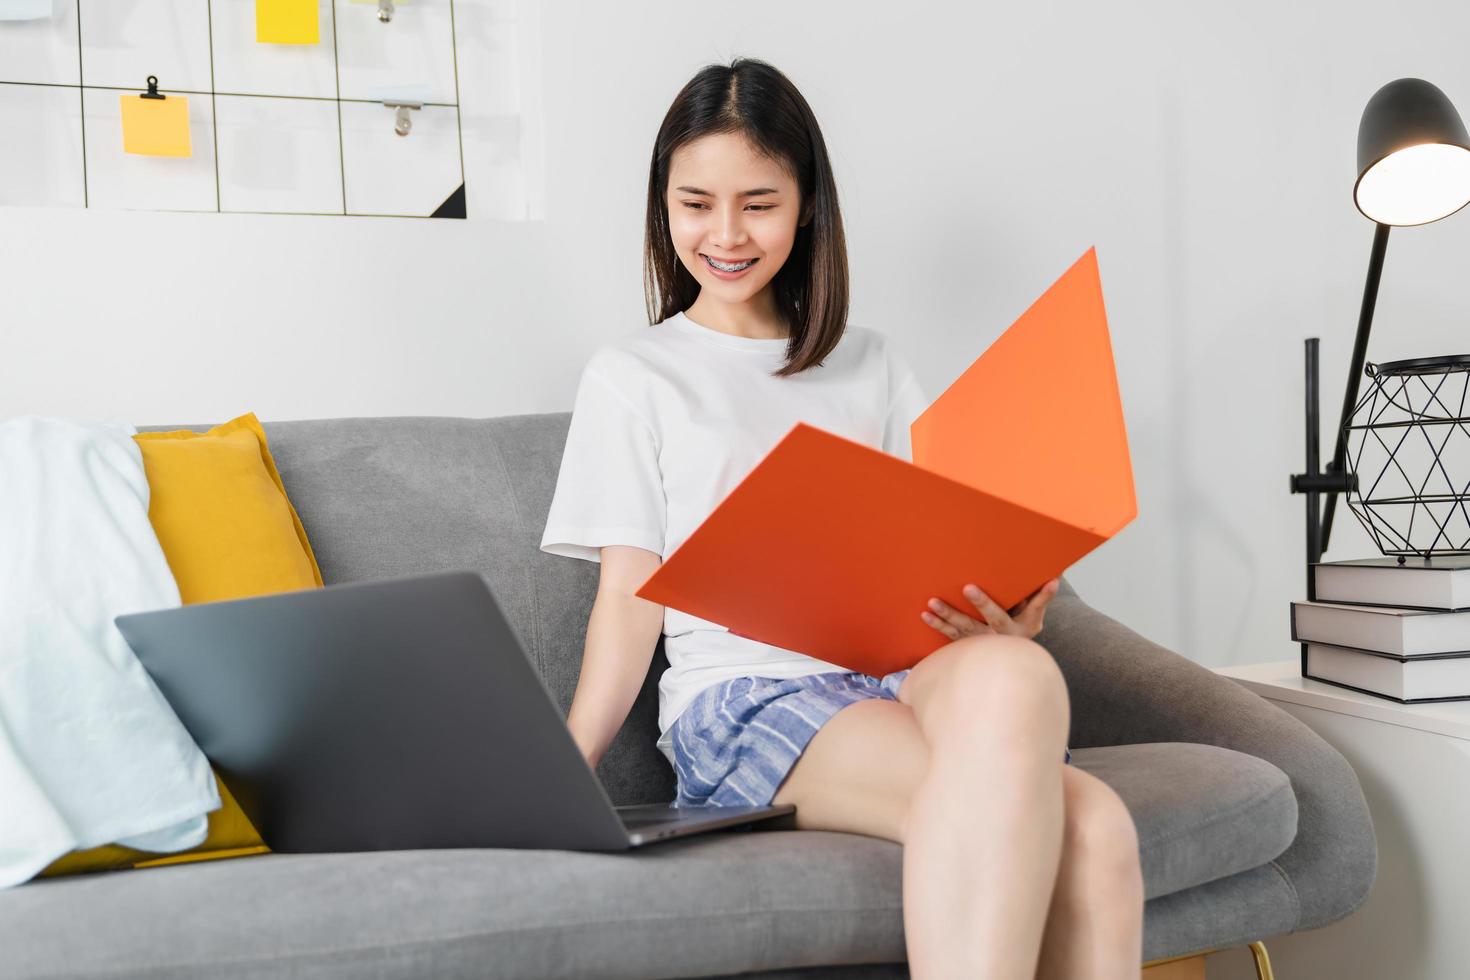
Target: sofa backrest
(390,497)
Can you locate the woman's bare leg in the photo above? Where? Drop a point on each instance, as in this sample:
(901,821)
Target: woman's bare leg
(984,832)
(980,857)
(1094,930)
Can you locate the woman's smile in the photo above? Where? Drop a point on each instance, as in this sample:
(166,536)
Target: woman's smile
(727,269)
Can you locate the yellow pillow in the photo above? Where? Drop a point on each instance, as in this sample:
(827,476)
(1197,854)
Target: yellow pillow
(228,531)
(222,515)
(230,835)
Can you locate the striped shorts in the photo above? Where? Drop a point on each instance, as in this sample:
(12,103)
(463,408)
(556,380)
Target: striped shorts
(736,741)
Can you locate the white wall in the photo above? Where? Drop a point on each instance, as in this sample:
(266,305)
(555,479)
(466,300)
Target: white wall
(1208,154)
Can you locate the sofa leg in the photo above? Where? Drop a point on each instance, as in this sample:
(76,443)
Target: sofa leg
(1262,960)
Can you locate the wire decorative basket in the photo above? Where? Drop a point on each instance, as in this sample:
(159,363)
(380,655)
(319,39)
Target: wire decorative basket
(1408,449)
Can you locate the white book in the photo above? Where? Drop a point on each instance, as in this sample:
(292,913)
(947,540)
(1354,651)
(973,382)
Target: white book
(1409,679)
(1402,632)
(1443,583)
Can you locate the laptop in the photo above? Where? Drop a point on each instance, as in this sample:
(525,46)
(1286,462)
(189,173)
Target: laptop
(392,715)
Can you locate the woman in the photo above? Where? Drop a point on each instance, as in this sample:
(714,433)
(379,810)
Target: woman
(1015,863)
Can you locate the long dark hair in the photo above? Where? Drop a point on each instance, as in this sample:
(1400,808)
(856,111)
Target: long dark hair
(751,97)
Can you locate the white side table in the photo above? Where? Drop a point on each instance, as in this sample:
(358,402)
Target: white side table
(1414,765)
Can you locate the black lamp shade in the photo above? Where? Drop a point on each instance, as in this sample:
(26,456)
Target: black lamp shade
(1413,155)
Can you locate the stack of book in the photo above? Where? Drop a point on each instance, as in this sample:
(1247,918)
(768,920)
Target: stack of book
(1400,632)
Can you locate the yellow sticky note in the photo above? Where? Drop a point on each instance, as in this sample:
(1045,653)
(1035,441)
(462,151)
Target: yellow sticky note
(156,127)
(286,22)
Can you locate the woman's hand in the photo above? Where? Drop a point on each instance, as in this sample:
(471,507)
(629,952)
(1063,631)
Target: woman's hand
(1023,620)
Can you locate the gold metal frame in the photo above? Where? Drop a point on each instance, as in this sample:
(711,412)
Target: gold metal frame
(1259,956)
(1263,961)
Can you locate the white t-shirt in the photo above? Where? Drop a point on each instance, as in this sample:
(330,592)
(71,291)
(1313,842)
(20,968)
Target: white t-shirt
(667,421)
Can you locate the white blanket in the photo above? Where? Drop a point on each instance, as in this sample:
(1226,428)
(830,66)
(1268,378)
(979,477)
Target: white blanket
(90,752)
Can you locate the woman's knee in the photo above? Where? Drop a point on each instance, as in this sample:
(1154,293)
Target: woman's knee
(1100,835)
(985,681)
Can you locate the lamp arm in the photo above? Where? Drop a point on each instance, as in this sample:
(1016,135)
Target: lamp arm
(1355,372)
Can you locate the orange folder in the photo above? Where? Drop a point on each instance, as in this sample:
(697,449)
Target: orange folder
(832,548)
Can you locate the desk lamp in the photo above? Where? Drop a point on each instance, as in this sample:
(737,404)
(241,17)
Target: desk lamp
(1413,168)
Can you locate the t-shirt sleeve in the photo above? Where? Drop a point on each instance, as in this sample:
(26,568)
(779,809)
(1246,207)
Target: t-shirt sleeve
(907,404)
(609,490)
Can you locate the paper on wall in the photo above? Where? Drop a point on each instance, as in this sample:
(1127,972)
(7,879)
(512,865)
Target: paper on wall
(156,127)
(287,22)
(25,9)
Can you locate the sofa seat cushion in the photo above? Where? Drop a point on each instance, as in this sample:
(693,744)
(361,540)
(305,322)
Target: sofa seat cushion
(720,903)
(1202,812)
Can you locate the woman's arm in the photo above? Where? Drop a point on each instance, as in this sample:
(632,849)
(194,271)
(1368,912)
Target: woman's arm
(622,634)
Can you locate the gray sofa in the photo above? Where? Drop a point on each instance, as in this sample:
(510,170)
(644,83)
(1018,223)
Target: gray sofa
(1250,825)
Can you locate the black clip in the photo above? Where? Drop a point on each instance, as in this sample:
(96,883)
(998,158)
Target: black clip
(152,92)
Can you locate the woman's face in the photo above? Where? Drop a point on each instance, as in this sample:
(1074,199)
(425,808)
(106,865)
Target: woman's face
(728,203)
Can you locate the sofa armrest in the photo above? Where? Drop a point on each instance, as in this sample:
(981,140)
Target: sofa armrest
(1125,689)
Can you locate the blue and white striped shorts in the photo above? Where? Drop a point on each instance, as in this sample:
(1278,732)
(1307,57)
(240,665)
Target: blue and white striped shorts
(736,741)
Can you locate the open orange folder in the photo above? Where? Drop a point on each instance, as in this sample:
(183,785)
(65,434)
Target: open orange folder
(832,548)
